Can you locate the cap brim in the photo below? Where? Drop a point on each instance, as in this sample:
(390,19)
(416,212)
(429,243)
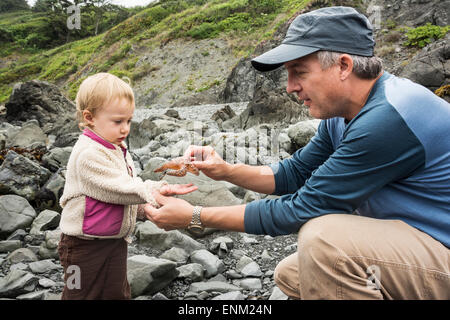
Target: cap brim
(276,57)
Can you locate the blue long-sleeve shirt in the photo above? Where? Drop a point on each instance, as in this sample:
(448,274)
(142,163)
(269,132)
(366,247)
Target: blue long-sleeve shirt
(392,161)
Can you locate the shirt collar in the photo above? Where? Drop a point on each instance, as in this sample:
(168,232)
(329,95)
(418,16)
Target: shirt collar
(89,133)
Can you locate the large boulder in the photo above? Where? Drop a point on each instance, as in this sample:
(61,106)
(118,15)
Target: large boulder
(302,132)
(431,66)
(414,13)
(274,106)
(149,234)
(17,282)
(21,176)
(148,275)
(15,213)
(30,135)
(43,102)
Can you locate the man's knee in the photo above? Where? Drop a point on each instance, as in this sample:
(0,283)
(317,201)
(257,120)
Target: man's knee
(286,276)
(282,272)
(319,241)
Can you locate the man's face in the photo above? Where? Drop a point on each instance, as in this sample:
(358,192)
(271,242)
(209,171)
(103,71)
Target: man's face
(319,89)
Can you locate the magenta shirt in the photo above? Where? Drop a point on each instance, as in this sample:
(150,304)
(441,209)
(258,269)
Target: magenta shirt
(101,218)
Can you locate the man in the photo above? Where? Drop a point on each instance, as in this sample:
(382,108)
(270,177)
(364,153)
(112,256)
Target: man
(369,194)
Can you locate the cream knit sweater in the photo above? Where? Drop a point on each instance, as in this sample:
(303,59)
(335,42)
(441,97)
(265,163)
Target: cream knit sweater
(102,173)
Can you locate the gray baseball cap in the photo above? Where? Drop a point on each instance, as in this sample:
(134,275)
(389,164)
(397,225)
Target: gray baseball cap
(340,29)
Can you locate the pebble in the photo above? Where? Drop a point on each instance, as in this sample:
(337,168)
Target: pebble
(46,283)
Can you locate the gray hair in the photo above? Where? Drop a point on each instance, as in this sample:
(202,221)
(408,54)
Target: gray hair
(363,67)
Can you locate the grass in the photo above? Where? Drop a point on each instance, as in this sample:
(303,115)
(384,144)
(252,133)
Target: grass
(244,23)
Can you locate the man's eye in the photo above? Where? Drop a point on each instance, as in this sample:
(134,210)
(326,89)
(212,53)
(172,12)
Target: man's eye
(118,121)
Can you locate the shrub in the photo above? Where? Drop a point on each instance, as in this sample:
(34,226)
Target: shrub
(423,35)
(443,91)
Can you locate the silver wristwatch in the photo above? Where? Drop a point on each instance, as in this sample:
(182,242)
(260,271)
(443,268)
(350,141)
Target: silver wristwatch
(196,226)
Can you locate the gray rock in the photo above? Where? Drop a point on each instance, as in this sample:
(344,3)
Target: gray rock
(249,240)
(212,264)
(49,248)
(44,102)
(178,255)
(159,296)
(17,282)
(265,256)
(53,296)
(30,134)
(277,294)
(232,274)
(36,295)
(19,234)
(50,193)
(47,219)
(251,269)
(15,213)
(302,132)
(142,133)
(9,245)
(251,196)
(148,275)
(19,266)
(21,176)
(43,266)
(218,277)
(213,286)
(431,66)
(56,158)
(232,295)
(274,106)
(46,283)
(221,246)
(251,284)
(149,234)
(192,271)
(243,261)
(22,255)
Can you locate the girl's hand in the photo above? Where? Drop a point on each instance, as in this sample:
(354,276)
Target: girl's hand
(173,189)
(172,213)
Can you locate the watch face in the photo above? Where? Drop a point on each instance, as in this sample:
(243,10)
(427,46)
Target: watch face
(196,229)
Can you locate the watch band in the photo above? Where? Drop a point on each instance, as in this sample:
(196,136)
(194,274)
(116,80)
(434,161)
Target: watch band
(196,216)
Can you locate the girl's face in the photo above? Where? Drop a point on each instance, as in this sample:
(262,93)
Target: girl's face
(112,121)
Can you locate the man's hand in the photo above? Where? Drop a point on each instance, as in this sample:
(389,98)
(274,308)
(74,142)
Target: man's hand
(173,189)
(208,161)
(172,214)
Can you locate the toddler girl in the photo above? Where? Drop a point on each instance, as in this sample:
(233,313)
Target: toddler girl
(102,194)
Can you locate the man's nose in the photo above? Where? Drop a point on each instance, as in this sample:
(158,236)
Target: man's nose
(293,85)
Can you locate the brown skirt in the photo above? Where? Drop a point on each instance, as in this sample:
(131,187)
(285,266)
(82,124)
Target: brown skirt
(94,269)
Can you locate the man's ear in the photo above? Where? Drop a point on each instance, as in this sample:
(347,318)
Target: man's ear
(346,66)
(88,117)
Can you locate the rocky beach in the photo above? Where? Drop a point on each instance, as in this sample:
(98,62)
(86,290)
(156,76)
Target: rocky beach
(248,118)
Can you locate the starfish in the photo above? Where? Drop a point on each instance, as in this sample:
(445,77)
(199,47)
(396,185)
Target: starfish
(178,167)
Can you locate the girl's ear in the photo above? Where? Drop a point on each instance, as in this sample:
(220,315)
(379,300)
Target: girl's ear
(88,117)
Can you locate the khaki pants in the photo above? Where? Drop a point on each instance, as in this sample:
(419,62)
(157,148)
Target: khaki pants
(343,256)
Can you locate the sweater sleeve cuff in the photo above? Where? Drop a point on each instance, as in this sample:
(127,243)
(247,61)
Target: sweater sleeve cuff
(252,219)
(276,169)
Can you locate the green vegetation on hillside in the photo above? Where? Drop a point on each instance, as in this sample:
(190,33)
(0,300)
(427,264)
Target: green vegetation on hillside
(243,22)
(423,35)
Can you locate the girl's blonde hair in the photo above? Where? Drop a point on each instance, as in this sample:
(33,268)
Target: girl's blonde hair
(97,90)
